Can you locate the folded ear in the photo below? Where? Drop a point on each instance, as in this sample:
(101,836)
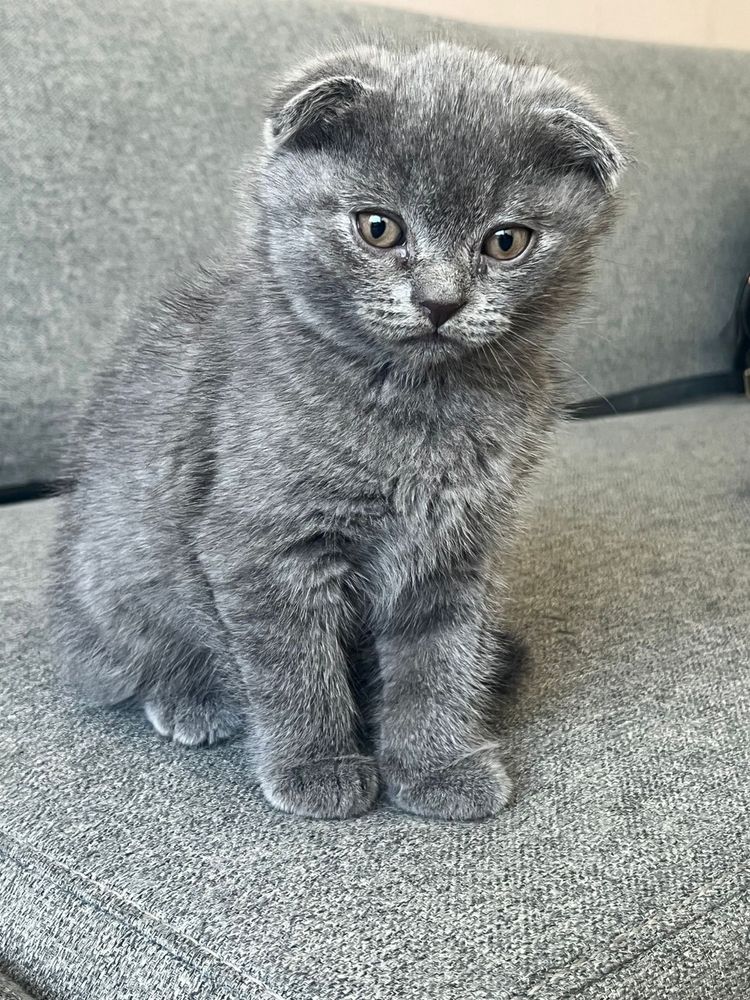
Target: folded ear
(587,146)
(310,116)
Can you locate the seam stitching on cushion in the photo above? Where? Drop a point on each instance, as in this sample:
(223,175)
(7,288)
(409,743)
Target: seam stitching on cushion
(119,913)
(632,959)
(558,976)
(11,989)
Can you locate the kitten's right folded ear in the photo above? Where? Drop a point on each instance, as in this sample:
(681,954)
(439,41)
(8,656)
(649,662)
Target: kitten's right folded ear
(311,116)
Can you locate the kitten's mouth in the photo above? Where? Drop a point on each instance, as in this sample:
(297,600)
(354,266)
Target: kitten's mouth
(435,338)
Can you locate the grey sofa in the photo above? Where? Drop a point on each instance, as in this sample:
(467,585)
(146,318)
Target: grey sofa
(134,868)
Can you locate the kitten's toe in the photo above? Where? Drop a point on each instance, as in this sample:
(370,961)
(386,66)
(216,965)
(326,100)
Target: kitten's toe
(157,715)
(193,723)
(473,788)
(327,789)
(208,722)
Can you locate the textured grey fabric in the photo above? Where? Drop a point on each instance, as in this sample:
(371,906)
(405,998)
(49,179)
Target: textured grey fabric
(122,126)
(132,868)
(10,991)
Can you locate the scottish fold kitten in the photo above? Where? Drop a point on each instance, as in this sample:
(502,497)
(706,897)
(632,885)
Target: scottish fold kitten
(299,480)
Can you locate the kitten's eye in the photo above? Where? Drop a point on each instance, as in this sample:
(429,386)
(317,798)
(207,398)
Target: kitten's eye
(507,244)
(379,230)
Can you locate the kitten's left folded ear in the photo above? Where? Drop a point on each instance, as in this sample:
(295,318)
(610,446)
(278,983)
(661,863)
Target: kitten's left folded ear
(582,143)
(311,114)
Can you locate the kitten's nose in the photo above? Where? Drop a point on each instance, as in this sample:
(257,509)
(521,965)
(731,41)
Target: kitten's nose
(439,312)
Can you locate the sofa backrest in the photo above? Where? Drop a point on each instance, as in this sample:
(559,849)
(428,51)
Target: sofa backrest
(123,123)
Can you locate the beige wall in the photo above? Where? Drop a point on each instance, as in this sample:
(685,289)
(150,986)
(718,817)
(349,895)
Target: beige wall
(720,23)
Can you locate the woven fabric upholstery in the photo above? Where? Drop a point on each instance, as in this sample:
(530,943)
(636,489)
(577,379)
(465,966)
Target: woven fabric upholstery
(133,868)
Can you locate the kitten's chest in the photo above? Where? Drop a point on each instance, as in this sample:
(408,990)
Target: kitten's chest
(438,503)
(438,491)
(438,483)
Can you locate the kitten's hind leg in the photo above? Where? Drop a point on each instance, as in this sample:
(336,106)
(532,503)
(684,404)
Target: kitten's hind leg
(193,699)
(187,690)
(98,668)
(510,659)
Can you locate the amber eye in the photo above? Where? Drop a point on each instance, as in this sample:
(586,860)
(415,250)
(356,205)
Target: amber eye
(507,243)
(379,230)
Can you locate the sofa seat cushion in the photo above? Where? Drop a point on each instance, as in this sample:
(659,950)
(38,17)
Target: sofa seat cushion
(134,868)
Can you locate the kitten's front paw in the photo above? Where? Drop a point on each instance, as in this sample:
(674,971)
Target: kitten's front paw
(473,788)
(193,722)
(323,789)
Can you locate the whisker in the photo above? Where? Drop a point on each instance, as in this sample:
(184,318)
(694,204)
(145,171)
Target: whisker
(521,339)
(615,263)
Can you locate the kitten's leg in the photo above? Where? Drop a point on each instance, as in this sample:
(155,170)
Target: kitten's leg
(191,696)
(188,692)
(287,631)
(438,669)
(115,645)
(510,657)
(98,669)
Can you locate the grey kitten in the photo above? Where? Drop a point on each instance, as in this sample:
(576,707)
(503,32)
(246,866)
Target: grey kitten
(299,481)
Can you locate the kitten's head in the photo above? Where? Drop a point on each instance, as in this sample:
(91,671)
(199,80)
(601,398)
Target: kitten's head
(431,201)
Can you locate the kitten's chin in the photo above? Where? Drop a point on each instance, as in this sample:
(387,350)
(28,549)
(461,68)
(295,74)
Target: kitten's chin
(432,346)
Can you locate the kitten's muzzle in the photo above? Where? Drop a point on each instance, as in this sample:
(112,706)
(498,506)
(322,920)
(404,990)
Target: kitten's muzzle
(439,312)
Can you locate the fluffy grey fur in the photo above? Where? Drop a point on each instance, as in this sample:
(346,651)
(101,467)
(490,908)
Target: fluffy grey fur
(294,495)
